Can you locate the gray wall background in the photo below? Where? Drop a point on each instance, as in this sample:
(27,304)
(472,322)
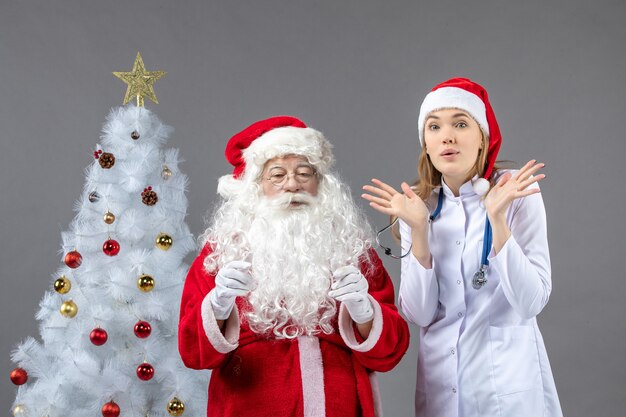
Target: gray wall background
(356,70)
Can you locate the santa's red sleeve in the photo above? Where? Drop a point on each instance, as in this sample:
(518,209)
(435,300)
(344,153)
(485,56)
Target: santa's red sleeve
(201,343)
(388,340)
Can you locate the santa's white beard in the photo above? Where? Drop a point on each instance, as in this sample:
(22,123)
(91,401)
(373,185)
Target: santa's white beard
(293,250)
(292,266)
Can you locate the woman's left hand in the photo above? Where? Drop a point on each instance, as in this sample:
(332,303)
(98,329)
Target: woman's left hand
(511,187)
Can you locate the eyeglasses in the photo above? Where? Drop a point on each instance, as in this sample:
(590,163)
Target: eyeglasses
(278,176)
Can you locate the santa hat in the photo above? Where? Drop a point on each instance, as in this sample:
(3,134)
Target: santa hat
(250,149)
(465,94)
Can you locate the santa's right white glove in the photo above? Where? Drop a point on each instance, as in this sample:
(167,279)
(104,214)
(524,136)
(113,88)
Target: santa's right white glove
(232,281)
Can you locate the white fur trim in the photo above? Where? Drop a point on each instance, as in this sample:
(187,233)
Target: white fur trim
(312,373)
(480,186)
(346,328)
(228,186)
(452,98)
(226,342)
(290,140)
(378,404)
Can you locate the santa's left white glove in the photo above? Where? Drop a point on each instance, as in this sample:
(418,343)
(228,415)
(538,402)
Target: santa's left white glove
(350,287)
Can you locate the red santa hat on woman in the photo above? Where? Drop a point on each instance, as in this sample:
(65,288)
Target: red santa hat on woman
(250,149)
(465,94)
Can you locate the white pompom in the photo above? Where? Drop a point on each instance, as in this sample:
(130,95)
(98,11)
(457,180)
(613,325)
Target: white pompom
(481,186)
(228,186)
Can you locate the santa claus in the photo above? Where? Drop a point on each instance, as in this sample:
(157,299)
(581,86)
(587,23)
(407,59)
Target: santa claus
(287,303)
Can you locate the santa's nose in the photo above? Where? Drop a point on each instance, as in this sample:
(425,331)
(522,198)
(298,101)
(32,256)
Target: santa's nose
(291,184)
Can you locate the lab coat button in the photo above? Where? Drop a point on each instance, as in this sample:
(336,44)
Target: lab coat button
(458,281)
(460,314)
(454,390)
(458,242)
(452,351)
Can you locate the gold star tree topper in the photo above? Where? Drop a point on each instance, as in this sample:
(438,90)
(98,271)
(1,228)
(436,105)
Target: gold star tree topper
(139,82)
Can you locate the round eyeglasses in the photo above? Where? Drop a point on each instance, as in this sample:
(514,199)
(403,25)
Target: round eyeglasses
(278,177)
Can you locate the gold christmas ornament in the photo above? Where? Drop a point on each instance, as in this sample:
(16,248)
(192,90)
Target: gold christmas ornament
(176,407)
(108,217)
(69,309)
(164,241)
(166,173)
(139,82)
(20,411)
(145,283)
(62,285)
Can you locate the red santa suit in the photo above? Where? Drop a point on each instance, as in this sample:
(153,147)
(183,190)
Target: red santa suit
(261,376)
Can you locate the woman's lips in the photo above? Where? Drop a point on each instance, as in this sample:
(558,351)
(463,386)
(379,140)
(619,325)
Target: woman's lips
(449,153)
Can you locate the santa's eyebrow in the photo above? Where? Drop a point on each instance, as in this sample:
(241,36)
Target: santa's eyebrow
(301,165)
(305,165)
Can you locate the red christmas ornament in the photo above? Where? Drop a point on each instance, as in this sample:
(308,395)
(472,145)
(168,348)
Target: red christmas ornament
(145,371)
(111,409)
(73,259)
(143,329)
(97,153)
(98,336)
(19,376)
(111,247)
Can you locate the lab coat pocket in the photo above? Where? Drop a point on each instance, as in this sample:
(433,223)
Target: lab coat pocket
(515,359)
(522,404)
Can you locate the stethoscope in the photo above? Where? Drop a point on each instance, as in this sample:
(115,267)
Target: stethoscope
(479,280)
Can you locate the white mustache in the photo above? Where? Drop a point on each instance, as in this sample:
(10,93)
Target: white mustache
(284,200)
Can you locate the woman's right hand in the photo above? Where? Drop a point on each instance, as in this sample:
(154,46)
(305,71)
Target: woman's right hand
(408,206)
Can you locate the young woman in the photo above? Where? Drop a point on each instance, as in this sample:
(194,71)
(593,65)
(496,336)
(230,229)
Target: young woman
(477,270)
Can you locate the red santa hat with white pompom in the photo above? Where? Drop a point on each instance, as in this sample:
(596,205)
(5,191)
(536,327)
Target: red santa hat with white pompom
(465,94)
(250,149)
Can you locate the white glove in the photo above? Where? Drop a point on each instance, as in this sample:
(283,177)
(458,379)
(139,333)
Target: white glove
(350,288)
(232,281)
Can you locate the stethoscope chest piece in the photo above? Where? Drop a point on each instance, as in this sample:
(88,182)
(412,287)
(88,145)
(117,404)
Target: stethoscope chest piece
(479,277)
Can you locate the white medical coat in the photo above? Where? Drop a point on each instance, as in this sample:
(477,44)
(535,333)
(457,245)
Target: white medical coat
(481,353)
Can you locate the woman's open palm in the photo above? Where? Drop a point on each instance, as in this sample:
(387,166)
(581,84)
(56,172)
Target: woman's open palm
(387,200)
(511,187)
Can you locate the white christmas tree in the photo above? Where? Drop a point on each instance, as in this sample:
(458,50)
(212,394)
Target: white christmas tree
(109,324)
